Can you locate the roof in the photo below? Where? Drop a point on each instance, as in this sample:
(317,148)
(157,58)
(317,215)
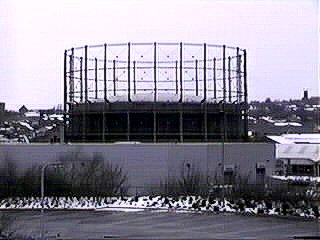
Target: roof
(304,138)
(298,146)
(298,151)
(23,108)
(32,114)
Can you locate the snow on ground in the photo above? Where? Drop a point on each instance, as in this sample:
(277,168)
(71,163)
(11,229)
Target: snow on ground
(283,124)
(297,178)
(27,125)
(49,127)
(195,204)
(59,117)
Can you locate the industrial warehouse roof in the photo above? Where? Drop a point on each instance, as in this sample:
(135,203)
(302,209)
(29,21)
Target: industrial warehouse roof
(298,151)
(312,138)
(297,146)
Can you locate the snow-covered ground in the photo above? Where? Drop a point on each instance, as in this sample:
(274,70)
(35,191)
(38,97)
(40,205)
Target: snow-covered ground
(160,203)
(27,125)
(298,178)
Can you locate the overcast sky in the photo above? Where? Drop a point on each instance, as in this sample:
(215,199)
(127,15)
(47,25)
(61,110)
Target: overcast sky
(281,38)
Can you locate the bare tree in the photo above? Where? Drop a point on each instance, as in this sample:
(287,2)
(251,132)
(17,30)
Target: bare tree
(93,176)
(191,181)
(8,176)
(83,175)
(30,181)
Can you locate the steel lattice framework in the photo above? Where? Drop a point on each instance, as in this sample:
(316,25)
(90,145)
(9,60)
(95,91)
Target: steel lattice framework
(155,73)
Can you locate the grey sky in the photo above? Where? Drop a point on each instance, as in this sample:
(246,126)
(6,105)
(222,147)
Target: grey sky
(281,38)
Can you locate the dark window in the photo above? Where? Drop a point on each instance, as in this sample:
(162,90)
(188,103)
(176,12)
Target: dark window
(302,170)
(261,171)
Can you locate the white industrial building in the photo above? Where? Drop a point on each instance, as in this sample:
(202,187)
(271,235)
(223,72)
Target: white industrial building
(297,155)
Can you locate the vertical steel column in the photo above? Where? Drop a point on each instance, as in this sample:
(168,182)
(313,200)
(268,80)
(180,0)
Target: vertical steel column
(71,76)
(84,111)
(114,77)
(214,79)
(154,126)
(128,126)
(241,92)
(196,72)
(245,94)
(84,122)
(224,72)
(86,73)
(65,80)
(239,87)
(245,76)
(155,71)
(229,77)
(105,74)
(81,81)
(134,77)
(238,76)
(181,124)
(181,89)
(96,77)
(225,122)
(65,95)
(225,127)
(129,98)
(177,77)
(205,122)
(205,92)
(103,124)
(223,147)
(181,96)
(204,73)
(84,115)
(222,116)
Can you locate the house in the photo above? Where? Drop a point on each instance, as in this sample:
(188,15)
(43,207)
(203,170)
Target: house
(33,117)
(23,109)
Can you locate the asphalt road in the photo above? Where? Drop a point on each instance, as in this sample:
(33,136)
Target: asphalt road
(164,225)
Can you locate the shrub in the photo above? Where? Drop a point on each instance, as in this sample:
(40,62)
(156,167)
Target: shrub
(90,176)
(190,182)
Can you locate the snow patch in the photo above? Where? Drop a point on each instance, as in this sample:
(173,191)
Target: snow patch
(27,125)
(183,204)
(297,178)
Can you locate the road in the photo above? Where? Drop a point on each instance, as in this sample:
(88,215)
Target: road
(164,225)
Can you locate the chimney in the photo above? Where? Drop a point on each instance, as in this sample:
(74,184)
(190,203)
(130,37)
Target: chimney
(305,95)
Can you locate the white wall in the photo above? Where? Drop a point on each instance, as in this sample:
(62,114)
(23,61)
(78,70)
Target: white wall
(147,164)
